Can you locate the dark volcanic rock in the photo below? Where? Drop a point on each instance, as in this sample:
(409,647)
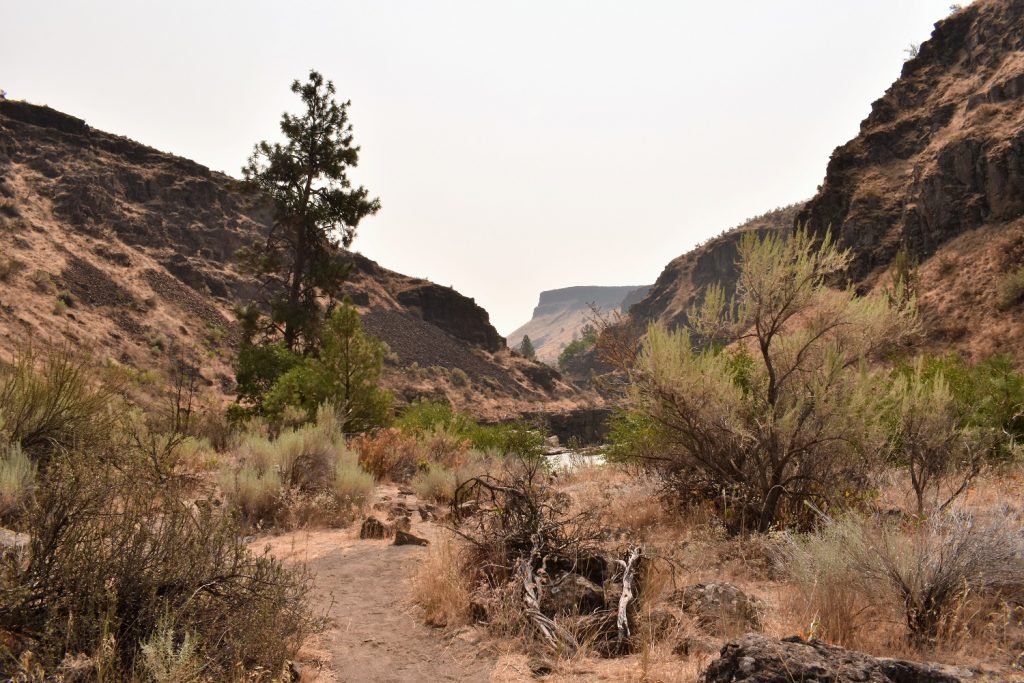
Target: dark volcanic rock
(759,659)
(571,593)
(405,538)
(457,315)
(373,528)
(720,608)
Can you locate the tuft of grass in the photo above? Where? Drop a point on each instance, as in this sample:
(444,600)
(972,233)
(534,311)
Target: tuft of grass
(17,478)
(169,659)
(353,485)
(42,282)
(9,267)
(1010,290)
(256,494)
(440,586)
(459,377)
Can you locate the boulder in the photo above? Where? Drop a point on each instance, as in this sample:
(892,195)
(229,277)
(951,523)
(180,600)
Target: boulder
(405,538)
(720,608)
(758,659)
(373,528)
(571,593)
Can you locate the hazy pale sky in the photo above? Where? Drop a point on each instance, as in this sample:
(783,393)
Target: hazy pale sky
(515,146)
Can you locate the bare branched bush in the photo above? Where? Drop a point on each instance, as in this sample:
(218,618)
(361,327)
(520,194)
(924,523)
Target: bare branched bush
(541,567)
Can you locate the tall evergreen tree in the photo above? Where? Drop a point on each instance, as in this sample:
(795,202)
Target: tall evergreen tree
(526,347)
(316,214)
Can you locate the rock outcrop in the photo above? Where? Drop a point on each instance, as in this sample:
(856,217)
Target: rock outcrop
(759,659)
(942,152)
(720,608)
(937,169)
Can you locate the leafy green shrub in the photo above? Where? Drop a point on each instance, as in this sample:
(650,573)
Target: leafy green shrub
(346,374)
(987,396)
(796,423)
(634,437)
(17,479)
(1010,290)
(507,438)
(577,347)
(423,415)
(113,555)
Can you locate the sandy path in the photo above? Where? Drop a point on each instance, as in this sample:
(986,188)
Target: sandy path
(376,633)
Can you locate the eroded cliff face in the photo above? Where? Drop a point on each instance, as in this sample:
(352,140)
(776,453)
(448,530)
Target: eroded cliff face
(141,246)
(938,169)
(942,152)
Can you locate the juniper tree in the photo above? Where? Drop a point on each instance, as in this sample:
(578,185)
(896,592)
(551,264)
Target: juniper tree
(316,213)
(526,347)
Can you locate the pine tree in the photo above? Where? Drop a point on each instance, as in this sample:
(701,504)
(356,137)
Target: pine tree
(526,347)
(316,214)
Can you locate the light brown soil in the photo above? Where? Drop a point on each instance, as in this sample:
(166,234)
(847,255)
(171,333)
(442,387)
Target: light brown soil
(376,633)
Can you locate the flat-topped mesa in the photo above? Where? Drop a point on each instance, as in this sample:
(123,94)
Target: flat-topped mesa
(561,315)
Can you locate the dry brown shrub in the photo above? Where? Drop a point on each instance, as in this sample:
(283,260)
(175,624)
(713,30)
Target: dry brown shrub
(389,454)
(440,586)
(114,556)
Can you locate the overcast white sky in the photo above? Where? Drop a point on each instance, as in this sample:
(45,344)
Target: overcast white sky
(515,146)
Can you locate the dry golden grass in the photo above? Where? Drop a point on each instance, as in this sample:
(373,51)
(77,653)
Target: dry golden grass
(440,587)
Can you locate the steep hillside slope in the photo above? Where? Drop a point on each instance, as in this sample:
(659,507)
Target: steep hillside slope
(684,279)
(561,314)
(938,169)
(129,251)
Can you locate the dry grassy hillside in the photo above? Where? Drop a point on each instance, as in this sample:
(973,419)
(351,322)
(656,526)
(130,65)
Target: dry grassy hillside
(130,251)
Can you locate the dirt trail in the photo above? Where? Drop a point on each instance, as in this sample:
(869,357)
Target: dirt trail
(376,633)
